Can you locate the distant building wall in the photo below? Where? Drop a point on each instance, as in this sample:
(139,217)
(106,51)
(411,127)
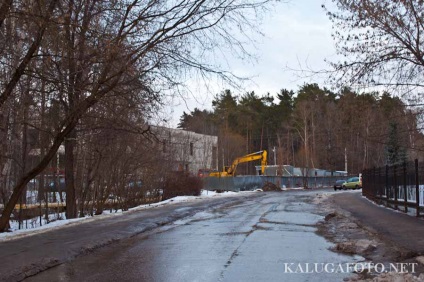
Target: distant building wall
(189,151)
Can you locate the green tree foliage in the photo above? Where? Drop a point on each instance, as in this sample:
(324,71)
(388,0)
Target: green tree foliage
(395,152)
(224,106)
(198,121)
(285,104)
(312,92)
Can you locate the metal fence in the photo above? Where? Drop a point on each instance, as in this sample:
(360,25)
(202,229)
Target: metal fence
(252,182)
(399,186)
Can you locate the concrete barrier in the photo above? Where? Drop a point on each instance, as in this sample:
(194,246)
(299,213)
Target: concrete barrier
(252,182)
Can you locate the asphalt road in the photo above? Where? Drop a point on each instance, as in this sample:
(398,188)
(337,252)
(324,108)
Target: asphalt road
(29,255)
(250,239)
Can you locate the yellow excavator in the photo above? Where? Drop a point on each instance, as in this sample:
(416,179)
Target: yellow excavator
(231,170)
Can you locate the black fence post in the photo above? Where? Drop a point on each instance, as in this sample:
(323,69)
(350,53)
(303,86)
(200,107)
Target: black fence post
(377,176)
(405,195)
(417,188)
(374,186)
(380,187)
(367,174)
(396,186)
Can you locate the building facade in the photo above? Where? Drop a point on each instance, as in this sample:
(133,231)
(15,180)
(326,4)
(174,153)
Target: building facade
(186,150)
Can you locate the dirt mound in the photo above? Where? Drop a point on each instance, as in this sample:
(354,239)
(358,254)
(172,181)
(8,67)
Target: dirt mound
(269,186)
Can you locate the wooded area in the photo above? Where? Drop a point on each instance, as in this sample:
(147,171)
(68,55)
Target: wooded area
(313,128)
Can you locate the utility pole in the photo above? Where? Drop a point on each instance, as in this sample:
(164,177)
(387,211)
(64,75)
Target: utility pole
(223,160)
(345,160)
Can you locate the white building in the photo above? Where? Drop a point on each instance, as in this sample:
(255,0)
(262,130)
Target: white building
(188,151)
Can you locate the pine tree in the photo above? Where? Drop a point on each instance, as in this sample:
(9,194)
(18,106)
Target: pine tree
(395,151)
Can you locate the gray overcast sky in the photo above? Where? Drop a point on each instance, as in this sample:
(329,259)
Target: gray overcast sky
(297,34)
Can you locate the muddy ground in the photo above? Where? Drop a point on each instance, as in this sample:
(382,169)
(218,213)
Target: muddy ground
(353,238)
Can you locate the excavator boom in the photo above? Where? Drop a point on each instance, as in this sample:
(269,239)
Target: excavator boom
(230,171)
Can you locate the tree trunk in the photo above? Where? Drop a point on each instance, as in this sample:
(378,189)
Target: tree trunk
(20,186)
(71,205)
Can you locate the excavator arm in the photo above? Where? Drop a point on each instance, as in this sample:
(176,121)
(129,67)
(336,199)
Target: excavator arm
(231,170)
(261,155)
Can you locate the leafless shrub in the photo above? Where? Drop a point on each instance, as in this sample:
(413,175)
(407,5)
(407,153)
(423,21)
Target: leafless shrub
(182,184)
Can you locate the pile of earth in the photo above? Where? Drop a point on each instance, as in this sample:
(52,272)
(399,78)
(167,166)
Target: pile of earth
(269,186)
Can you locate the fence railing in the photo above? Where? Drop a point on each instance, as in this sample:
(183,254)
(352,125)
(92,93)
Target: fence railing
(399,186)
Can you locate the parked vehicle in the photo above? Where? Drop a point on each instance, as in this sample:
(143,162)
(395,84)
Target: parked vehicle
(53,187)
(338,185)
(353,183)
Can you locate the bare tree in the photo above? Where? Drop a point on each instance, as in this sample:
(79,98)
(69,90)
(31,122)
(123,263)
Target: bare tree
(380,42)
(95,48)
(32,48)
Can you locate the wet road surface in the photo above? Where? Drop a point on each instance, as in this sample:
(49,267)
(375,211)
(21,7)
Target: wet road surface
(23,257)
(249,240)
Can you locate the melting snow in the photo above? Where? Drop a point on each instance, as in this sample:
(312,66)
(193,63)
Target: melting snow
(56,221)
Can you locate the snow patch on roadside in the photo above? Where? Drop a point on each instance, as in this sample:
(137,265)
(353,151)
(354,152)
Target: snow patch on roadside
(411,211)
(321,197)
(16,234)
(60,223)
